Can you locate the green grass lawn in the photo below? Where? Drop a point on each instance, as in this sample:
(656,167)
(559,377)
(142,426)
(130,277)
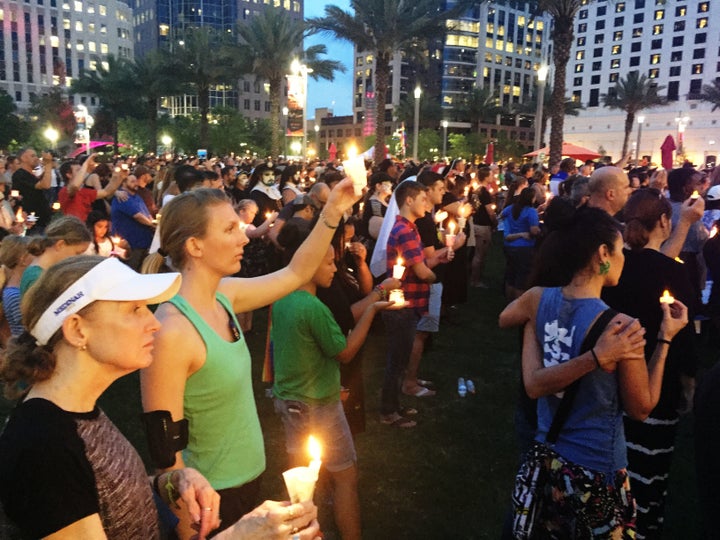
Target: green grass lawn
(450,477)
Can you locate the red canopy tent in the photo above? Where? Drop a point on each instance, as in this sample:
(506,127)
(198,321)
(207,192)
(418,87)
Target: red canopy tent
(569,150)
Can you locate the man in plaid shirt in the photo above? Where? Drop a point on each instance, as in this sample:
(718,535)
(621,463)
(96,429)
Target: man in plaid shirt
(401,324)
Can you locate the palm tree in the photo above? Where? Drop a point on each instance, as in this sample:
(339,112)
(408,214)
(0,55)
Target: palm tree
(113,85)
(268,43)
(206,58)
(711,94)
(381,28)
(633,94)
(154,76)
(563,13)
(481,105)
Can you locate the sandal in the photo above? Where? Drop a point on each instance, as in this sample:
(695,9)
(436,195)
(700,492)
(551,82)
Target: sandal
(426,384)
(421,392)
(407,411)
(395,420)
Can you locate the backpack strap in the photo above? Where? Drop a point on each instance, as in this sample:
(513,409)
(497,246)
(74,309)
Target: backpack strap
(588,343)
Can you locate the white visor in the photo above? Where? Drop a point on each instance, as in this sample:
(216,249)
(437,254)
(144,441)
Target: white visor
(110,280)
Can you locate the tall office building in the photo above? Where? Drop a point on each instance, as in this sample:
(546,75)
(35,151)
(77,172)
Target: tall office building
(497,45)
(48,43)
(674,43)
(160,24)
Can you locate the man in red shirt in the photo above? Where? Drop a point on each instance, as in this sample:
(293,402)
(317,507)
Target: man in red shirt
(77,196)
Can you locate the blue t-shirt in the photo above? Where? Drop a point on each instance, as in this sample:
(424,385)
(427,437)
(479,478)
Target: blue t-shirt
(592,435)
(139,236)
(528,218)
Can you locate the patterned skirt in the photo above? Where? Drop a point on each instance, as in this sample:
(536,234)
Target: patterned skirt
(557,499)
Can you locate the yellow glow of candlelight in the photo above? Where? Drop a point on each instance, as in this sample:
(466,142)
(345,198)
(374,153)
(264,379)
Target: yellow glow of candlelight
(678,259)
(441,216)
(314,448)
(666,298)
(352,151)
(451,227)
(56,206)
(695,194)
(713,231)
(19,216)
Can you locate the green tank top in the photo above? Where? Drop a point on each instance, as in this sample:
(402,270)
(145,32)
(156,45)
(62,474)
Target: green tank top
(226,443)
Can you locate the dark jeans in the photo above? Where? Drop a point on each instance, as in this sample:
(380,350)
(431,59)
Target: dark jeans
(236,502)
(400,327)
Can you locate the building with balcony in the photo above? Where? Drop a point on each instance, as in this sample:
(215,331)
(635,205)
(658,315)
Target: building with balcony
(48,43)
(675,44)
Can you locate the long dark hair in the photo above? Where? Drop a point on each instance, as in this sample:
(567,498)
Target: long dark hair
(526,198)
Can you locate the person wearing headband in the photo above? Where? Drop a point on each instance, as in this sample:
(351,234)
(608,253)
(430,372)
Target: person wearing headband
(65,470)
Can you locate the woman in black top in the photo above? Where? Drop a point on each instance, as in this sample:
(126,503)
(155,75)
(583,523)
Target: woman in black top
(646,275)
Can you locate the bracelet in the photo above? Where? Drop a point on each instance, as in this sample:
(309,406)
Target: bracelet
(325,222)
(665,341)
(382,291)
(172,493)
(592,351)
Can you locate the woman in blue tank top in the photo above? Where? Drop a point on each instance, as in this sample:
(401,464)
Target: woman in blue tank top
(585,492)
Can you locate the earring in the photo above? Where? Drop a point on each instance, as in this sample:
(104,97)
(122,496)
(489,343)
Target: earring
(604,268)
(82,347)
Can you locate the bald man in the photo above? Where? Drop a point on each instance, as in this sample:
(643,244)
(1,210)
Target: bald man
(609,189)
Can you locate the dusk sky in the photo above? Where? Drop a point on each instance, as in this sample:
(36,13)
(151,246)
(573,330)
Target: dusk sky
(336,95)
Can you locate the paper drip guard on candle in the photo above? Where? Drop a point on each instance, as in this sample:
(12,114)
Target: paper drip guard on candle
(355,169)
(300,483)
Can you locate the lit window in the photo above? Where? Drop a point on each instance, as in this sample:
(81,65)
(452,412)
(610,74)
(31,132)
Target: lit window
(617,36)
(659,14)
(91,46)
(657,29)
(655,59)
(619,7)
(654,73)
(103,48)
(613,77)
(579,55)
(102,9)
(702,23)
(703,7)
(579,68)
(615,63)
(78,26)
(637,32)
(697,69)
(616,49)
(581,41)
(681,11)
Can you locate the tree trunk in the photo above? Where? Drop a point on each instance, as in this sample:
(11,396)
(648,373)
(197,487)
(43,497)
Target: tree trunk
(275,127)
(382,76)
(152,124)
(204,106)
(563,40)
(629,121)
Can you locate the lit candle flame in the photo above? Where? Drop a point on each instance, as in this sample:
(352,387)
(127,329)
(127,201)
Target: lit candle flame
(352,151)
(441,216)
(315,451)
(19,216)
(695,195)
(713,231)
(56,206)
(666,298)
(267,215)
(399,261)
(451,227)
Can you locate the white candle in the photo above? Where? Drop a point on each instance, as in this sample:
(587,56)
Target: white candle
(666,298)
(397,296)
(398,269)
(14,193)
(441,216)
(300,481)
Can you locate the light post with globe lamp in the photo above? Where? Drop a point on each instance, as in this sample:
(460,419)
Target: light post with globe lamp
(317,139)
(166,140)
(416,125)
(285,112)
(640,121)
(444,126)
(52,135)
(542,74)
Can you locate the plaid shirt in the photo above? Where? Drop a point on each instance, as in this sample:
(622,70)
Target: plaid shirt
(404,241)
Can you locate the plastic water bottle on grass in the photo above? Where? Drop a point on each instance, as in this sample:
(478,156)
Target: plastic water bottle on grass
(462,388)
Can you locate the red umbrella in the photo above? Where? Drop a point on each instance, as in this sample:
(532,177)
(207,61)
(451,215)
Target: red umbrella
(332,152)
(569,150)
(490,153)
(666,152)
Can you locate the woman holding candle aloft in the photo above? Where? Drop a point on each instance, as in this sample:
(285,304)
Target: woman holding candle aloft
(584,490)
(651,442)
(308,348)
(202,364)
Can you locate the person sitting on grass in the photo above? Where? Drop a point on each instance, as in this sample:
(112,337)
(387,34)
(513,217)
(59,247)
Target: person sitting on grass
(308,347)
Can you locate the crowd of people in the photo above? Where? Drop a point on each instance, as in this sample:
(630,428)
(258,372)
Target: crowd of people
(607,368)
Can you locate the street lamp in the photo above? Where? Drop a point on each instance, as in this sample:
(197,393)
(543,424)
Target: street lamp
(52,135)
(542,74)
(641,121)
(317,138)
(444,126)
(416,125)
(285,112)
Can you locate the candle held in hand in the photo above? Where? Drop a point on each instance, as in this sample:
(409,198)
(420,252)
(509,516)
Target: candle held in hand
(666,298)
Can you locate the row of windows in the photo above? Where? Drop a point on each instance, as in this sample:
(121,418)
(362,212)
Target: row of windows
(639,18)
(256,105)
(653,73)
(675,56)
(673,92)
(619,7)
